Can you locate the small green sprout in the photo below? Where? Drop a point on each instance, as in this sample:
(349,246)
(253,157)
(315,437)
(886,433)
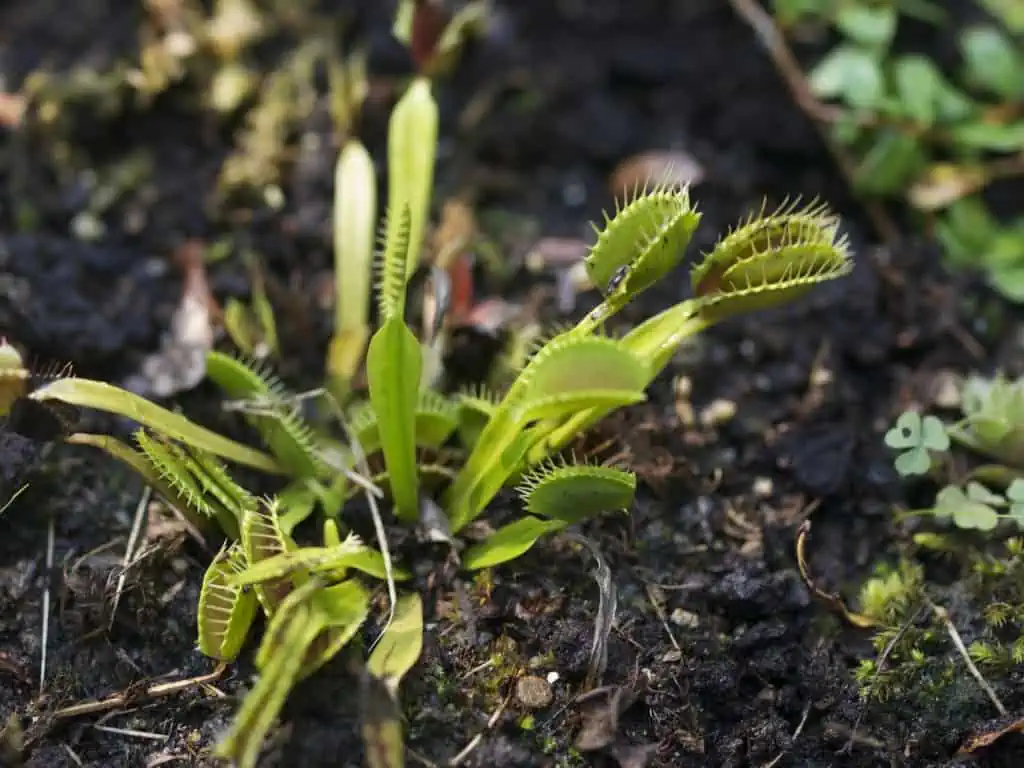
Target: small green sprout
(917,438)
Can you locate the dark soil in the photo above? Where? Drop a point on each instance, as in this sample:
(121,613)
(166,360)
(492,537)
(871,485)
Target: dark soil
(745,667)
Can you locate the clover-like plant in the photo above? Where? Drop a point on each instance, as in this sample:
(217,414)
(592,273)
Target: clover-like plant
(991,425)
(916,437)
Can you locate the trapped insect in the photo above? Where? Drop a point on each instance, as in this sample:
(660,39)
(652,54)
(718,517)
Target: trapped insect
(616,279)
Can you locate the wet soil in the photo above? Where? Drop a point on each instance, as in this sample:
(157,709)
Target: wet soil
(733,662)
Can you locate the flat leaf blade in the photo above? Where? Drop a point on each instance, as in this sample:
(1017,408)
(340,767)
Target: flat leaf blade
(393,370)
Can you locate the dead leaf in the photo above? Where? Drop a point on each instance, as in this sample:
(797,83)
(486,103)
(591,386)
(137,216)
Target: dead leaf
(634,755)
(981,741)
(602,710)
(493,315)
(654,168)
(12,109)
(945,183)
(381,724)
(556,253)
(181,362)
(455,232)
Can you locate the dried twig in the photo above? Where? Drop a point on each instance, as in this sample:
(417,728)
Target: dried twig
(119,700)
(129,549)
(943,615)
(606,609)
(50,543)
(475,741)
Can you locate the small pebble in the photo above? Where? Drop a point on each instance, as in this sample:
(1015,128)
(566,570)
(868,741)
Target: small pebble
(534,692)
(683,618)
(945,389)
(718,412)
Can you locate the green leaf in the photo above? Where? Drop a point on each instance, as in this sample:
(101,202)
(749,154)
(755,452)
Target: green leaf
(891,163)
(86,393)
(351,553)
(992,62)
(575,373)
(574,493)
(642,242)
(933,434)
(263,539)
(850,74)
(919,85)
(907,432)
(279,423)
(508,542)
(1009,12)
(994,137)
(436,419)
(341,609)
(400,646)
(288,636)
(870,25)
(978,492)
(965,512)
(225,611)
(916,461)
(393,368)
(1009,282)
(770,260)
(1015,493)
(966,230)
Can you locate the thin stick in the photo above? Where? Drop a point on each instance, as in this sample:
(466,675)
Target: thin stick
(606,609)
(119,700)
(793,738)
(475,741)
(11,500)
(50,544)
(378,521)
(132,733)
(771,37)
(943,615)
(129,549)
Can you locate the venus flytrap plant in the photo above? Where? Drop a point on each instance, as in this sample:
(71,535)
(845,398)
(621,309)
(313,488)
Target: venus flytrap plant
(462,450)
(312,599)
